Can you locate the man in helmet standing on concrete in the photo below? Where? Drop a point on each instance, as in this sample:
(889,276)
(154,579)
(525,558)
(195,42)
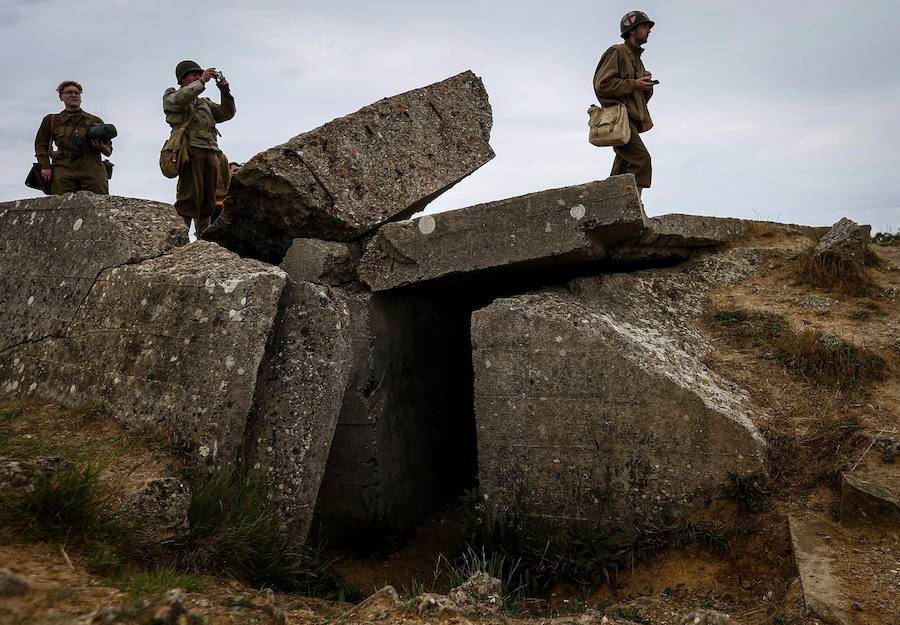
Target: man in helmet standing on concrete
(196,195)
(621,78)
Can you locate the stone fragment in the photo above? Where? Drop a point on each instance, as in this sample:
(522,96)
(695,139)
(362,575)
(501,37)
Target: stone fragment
(846,240)
(376,608)
(594,403)
(864,501)
(568,226)
(174,341)
(337,182)
(299,392)
(434,605)
(322,262)
(405,435)
(159,510)
(823,592)
(707,617)
(480,595)
(19,476)
(12,584)
(52,250)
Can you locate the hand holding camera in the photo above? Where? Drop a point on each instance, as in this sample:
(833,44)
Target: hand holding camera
(221,81)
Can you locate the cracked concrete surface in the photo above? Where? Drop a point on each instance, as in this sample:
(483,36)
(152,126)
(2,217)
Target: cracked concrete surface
(111,307)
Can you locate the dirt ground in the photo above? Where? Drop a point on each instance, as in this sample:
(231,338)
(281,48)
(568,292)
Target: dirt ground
(755,581)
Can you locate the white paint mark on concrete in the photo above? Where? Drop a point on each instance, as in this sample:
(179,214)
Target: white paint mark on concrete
(427,224)
(577,211)
(77,225)
(72,389)
(229,362)
(561,202)
(230,285)
(488,364)
(31,300)
(547,227)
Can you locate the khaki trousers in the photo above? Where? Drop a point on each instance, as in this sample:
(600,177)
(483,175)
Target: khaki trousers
(633,158)
(196,195)
(85,174)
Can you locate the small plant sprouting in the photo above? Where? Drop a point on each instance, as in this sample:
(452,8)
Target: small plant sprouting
(749,491)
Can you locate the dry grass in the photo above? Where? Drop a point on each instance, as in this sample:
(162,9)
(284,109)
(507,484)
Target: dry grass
(811,355)
(835,273)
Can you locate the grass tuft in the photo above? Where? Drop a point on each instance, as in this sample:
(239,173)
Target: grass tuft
(66,503)
(749,491)
(836,273)
(158,581)
(235,530)
(815,356)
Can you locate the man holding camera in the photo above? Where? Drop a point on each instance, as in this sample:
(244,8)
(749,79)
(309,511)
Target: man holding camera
(621,78)
(196,194)
(75,164)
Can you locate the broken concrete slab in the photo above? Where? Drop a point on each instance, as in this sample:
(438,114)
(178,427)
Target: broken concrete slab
(52,249)
(337,182)
(823,592)
(571,225)
(594,404)
(405,435)
(299,392)
(846,240)
(864,501)
(322,262)
(174,341)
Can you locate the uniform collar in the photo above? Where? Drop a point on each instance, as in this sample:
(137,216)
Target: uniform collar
(636,50)
(75,112)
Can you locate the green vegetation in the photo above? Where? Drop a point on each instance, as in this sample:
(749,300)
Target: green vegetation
(234,530)
(749,491)
(813,355)
(886,238)
(66,504)
(530,554)
(159,580)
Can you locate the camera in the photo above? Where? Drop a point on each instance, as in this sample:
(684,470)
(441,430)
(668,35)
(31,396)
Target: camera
(218,76)
(104,133)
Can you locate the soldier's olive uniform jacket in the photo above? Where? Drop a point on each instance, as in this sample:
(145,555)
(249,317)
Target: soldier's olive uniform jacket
(70,136)
(185,101)
(619,68)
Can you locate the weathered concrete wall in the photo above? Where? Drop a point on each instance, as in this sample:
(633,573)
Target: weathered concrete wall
(337,182)
(593,404)
(405,437)
(571,226)
(107,309)
(322,262)
(299,392)
(55,247)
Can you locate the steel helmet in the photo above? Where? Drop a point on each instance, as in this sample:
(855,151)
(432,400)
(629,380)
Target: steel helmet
(632,19)
(184,67)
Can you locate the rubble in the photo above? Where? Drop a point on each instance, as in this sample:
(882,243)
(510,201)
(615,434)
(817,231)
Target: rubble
(19,476)
(322,262)
(846,240)
(386,161)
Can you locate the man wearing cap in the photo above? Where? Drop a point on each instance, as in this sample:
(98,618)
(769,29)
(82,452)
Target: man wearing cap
(196,195)
(75,164)
(621,78)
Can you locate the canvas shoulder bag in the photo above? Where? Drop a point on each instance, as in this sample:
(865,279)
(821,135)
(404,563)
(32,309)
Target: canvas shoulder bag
(34,179)
(174,153)
(608,126)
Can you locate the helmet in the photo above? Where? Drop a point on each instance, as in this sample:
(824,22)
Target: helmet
(632,19)
(184,67)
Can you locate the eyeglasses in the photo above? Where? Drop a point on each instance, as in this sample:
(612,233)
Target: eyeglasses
(71,93)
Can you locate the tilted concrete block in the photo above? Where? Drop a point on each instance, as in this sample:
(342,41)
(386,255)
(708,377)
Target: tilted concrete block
(337,182)
(593,405)
(161,336)
(568,226)
(299,392)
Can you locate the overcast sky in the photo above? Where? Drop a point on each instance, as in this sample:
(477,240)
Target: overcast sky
(784,110)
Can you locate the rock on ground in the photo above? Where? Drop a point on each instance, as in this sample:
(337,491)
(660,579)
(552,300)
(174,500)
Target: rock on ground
(594,402)
(846,240)
(159,510)
(20,476)
(506,238)
(13,585)
(480,595)
(337,182)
